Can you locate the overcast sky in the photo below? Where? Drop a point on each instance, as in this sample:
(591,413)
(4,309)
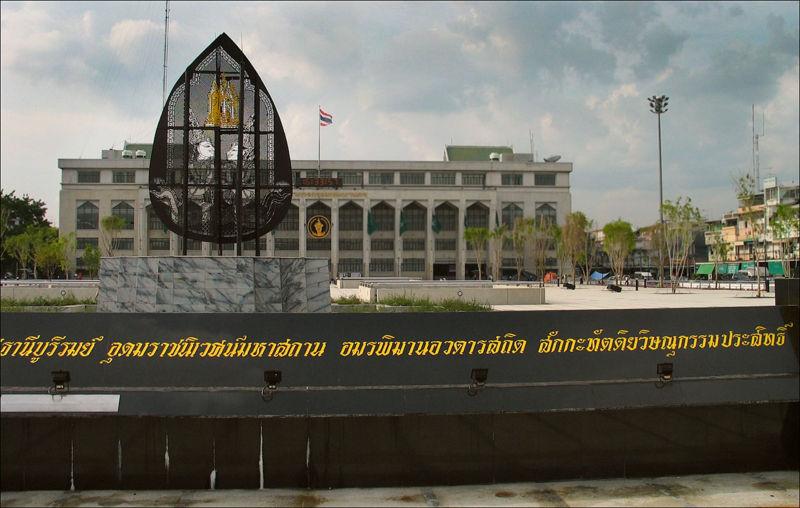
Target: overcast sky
(403,80)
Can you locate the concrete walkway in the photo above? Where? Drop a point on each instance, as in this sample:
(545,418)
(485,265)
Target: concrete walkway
(776,488)
(598,297)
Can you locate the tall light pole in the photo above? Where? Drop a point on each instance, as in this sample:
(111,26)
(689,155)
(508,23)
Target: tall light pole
(658,105)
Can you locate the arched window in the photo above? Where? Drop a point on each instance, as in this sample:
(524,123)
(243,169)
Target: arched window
(477,216)
(447,215)
(124,211)
(88,216)
(546,213)
(414,217)
(510,214)
(383,216)
(351,217)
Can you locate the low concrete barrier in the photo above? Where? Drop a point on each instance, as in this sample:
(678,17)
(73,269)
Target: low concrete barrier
(497,295)
(45,291)
(354,282)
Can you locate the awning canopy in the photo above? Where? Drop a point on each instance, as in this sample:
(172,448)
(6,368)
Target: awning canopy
(705,269)
(748,264)
(728,268)
(598,275)
(775,268)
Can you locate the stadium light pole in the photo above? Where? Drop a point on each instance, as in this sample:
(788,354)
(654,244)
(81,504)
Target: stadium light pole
(658,105)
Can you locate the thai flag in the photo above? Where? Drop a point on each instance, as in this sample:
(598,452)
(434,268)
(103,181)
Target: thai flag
(325,118)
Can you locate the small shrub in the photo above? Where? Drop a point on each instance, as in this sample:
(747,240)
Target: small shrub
(347,300)
(41,301)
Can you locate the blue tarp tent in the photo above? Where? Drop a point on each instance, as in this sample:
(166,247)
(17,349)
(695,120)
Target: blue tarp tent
(598,275)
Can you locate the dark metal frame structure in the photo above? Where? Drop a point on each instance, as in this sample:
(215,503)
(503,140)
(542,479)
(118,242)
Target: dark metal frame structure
(234,198)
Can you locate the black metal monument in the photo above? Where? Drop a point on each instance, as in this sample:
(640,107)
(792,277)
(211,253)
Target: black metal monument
(220,169)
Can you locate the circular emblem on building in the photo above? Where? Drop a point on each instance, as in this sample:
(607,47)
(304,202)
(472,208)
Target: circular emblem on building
(318,226)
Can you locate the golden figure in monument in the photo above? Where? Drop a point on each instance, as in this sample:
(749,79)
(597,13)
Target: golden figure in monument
(223,105)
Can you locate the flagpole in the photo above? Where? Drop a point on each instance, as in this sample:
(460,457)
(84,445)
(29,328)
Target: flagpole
(319,129)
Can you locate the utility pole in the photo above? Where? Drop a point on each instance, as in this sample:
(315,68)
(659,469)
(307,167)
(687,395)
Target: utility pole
(166,46)
(658,105)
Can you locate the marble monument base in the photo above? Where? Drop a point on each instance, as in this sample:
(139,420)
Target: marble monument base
(213,284)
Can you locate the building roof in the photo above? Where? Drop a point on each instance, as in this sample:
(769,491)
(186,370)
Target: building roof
(147,147)
(474,153)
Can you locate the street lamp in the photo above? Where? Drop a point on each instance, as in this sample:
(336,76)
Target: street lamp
(658,105)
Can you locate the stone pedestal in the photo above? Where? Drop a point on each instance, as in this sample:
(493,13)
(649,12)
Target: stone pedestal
(213,284)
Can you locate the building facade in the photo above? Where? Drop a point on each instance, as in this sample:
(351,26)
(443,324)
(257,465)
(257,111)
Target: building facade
(388,218)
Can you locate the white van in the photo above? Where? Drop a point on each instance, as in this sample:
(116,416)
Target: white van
(642,275)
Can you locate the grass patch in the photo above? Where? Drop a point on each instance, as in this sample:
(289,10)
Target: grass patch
(347,300)
(41,301)
(426,305)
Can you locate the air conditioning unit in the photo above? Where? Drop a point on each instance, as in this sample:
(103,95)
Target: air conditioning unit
(141,154)
(494,156)
(127,154)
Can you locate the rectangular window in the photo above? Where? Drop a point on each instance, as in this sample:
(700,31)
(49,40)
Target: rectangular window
(193,244)
(413,244)
(82,243)
(124,177)
(445,244)
(383,216)
(381,178)
(511,179)
(351,177)
(251,244)
(318,244)
(350,265)
(448,178)
(473,178)
(122,243)
(382,244)
(477,217)
(414,265)
(215,247)
(159,244)
(287,244)
(88,177)
(351,244)
(290,222)
(154,223)
(544,179)
(381,265)
(412,178)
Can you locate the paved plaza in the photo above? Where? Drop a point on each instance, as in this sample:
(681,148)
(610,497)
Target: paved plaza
(773,488)
(598,297)
(585,297)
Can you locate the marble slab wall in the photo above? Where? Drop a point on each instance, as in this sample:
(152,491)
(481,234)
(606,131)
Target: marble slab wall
(213,284)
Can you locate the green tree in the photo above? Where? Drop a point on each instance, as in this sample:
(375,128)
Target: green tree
(477,238)
(588,249)
(48,256)
(40,238)
(91,259)
(66,246)
(110,226)
(750,212)
(720,250)
(785,223)
(572,239)
(19,247)
(16,214)
(618,242)
(496,239)
(681,220)
(542,235)
(520,235)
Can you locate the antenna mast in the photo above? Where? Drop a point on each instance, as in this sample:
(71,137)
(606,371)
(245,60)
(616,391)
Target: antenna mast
(756,158)
(166,46)
(530,135)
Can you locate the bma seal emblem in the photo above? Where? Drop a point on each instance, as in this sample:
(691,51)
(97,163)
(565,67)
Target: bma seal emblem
(318,226)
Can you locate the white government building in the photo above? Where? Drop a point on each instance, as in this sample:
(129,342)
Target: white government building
(388,218)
